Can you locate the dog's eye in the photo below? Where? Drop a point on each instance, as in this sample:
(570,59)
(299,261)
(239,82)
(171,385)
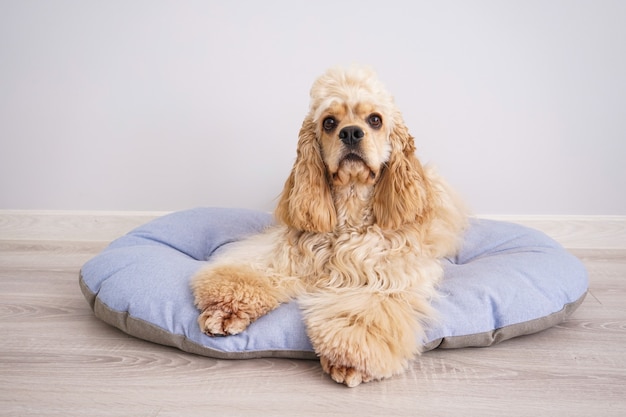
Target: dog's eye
(375,121)
(329,124)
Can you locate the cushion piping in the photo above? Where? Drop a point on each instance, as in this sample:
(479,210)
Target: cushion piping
(148,331)
(493,337)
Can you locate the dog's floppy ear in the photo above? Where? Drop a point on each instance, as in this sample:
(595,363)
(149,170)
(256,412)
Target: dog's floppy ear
(306,202)
(402,194)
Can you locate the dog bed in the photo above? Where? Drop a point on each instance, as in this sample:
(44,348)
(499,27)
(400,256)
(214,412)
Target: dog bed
(506,281)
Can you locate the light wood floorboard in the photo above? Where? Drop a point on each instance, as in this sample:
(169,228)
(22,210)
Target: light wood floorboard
(57,359)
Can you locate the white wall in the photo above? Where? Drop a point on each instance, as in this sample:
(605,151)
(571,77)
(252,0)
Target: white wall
(166,105)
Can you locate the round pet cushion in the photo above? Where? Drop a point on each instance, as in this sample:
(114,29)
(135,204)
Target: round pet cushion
(507,280)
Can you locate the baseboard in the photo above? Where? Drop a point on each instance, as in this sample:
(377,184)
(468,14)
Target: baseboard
(97,226)
(573,232)
(576,232)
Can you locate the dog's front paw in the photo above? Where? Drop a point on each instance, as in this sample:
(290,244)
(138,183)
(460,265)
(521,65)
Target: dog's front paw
(349,376)
(361,337)
(222,321)
(230,298)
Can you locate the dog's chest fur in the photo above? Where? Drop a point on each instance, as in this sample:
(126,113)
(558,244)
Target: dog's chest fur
(358,253)
(353,203)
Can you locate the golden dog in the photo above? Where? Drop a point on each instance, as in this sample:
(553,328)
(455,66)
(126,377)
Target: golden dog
(361,227)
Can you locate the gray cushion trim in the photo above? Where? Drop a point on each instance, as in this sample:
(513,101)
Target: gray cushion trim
(496,336)
(147,331)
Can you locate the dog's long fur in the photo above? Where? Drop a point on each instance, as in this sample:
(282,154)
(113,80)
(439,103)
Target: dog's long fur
(361,228)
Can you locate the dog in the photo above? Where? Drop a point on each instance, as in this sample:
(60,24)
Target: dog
(361,227)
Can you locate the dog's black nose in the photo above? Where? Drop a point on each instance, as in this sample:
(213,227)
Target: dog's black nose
(351,135)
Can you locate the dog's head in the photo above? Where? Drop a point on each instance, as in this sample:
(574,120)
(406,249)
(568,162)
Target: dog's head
(353,133)
(353,117)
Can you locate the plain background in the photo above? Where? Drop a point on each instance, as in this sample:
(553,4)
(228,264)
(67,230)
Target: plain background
(167,105)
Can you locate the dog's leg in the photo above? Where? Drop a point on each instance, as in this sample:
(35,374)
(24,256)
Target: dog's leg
(362,337)
(230,297)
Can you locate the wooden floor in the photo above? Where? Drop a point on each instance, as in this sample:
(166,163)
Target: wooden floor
(57,359)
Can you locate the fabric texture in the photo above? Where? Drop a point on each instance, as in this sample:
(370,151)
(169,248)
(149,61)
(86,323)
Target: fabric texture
(506,281)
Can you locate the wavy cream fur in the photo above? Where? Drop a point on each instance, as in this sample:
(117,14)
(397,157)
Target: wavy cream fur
(360,233)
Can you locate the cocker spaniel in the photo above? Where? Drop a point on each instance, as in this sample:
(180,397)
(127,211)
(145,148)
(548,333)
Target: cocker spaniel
(361,227)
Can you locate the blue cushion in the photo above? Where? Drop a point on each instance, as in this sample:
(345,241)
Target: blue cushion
(506,281)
